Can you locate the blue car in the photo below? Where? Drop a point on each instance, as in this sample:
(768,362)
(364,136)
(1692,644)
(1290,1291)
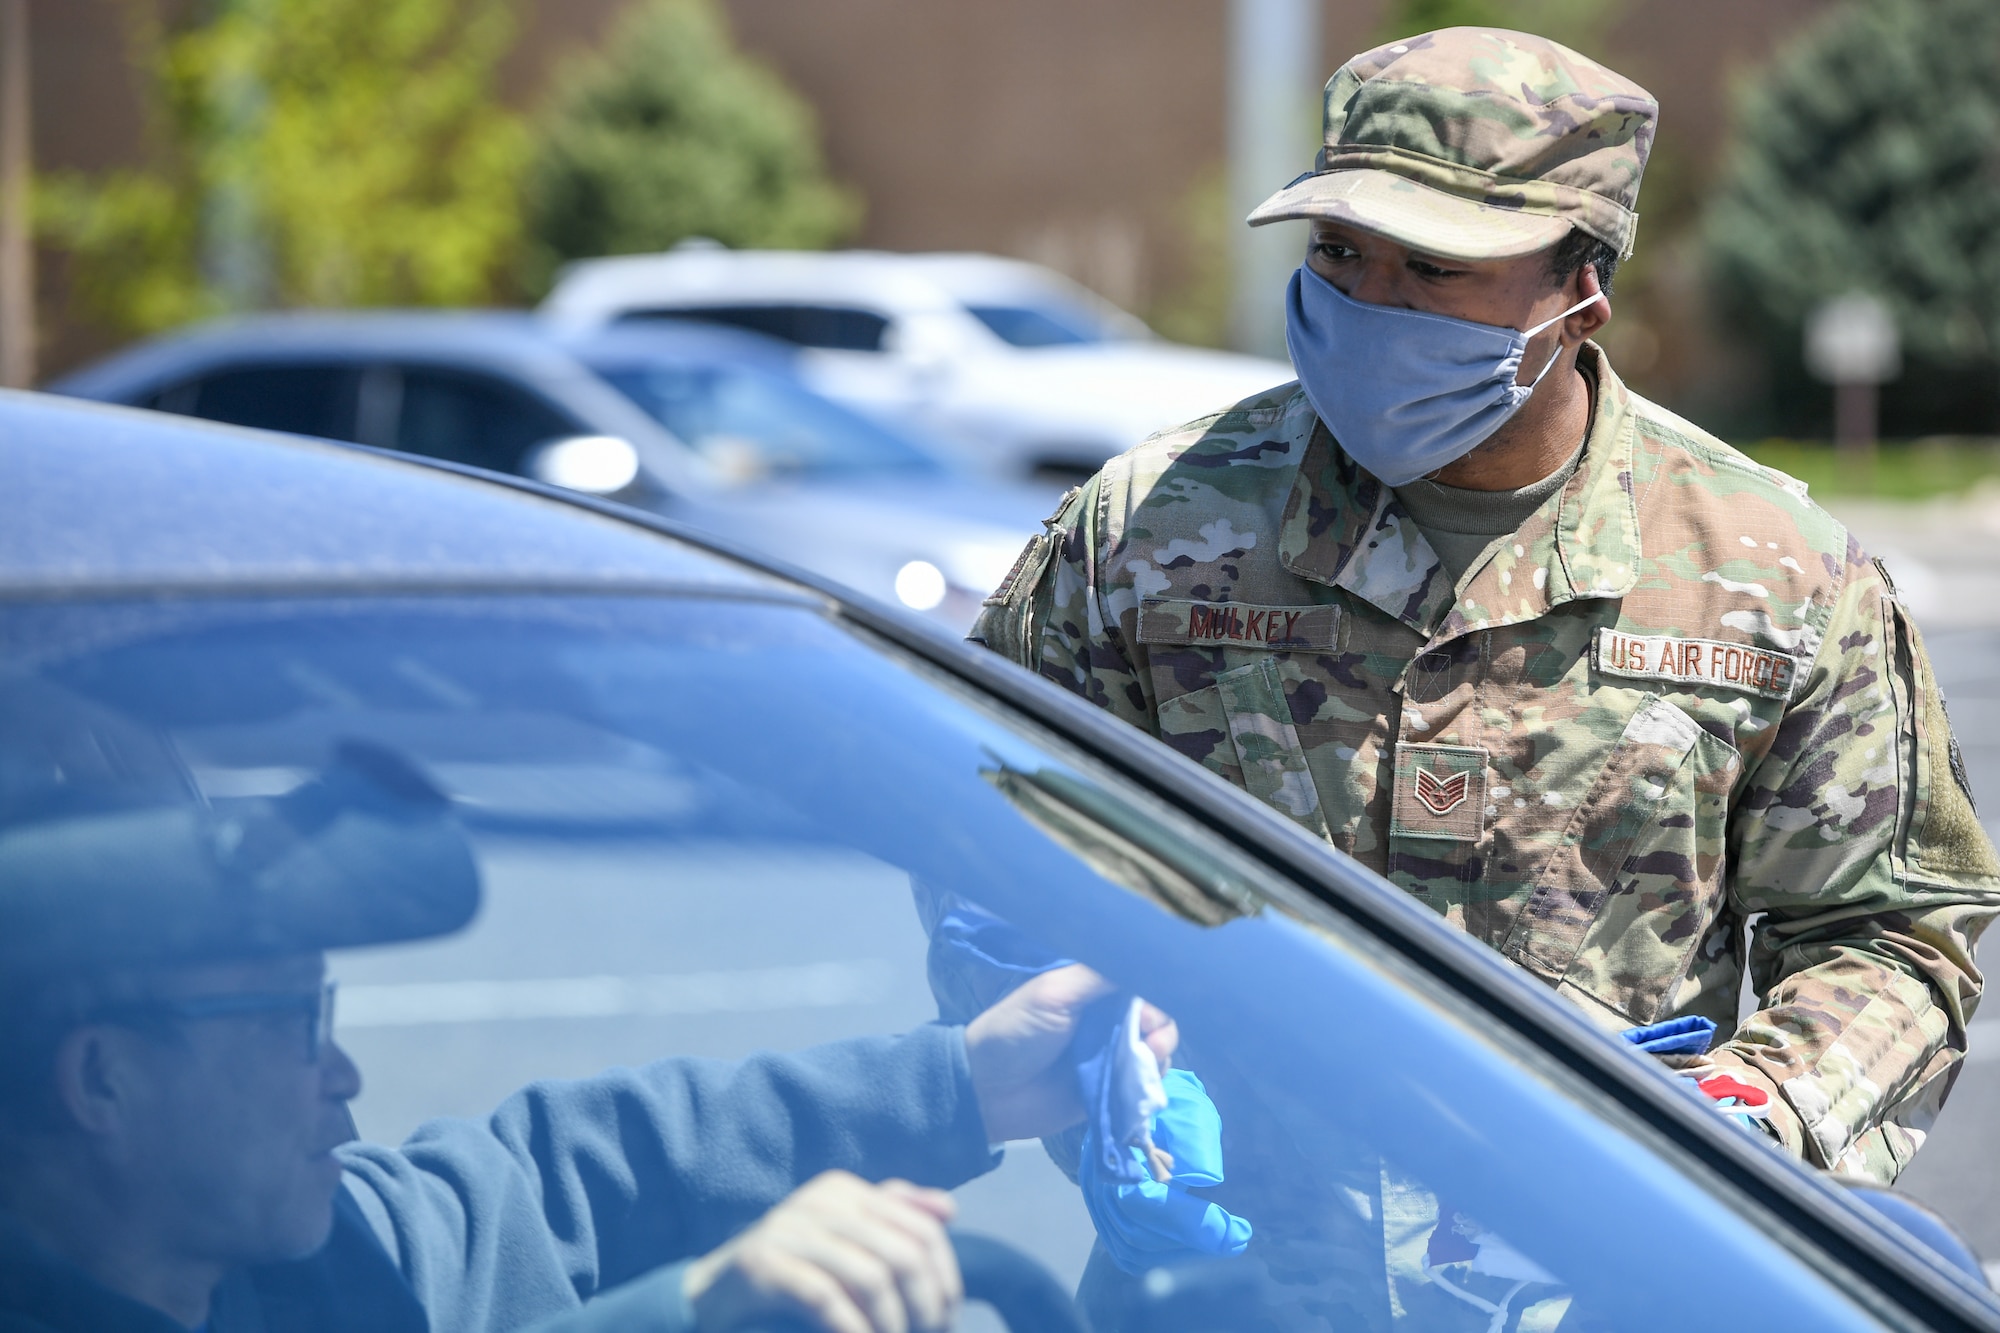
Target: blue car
(721,808)
(705,425)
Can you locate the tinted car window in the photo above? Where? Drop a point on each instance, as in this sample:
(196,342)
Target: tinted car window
(751,423)
(303,399)
(1029,326)
(842,328)
(473,419)
(710,827)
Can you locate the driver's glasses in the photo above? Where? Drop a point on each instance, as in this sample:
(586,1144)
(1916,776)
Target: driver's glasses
(316,1007)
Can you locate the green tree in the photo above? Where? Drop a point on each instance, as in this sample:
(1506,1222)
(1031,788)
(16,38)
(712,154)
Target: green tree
(1867,157)
(304,152)
(670,133)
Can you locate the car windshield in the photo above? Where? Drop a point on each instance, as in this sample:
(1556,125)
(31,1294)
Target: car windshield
(710,827)
(1044,324)
(750,424)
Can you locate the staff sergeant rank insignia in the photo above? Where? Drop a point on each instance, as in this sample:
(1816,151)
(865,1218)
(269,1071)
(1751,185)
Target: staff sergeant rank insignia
(1439,795)
(1732,666)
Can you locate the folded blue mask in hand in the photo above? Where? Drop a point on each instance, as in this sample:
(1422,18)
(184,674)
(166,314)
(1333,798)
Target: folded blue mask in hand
(1119,1078)
(1688,1035)
(1144,1222)
(1139,1125)
(979,957)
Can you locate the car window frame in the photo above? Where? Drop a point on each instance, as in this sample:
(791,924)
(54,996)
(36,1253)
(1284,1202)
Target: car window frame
(1889,1273)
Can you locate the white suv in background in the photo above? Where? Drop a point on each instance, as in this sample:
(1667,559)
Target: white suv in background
(1007,366)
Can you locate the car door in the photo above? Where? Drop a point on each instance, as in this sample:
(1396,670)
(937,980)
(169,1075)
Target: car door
(718,824)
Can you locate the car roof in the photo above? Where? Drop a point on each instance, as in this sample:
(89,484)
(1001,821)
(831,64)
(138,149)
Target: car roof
(871,279)
(512,342)
(102,500)
(508,339)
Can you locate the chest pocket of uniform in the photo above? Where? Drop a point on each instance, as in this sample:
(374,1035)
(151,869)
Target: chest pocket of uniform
(1241,727)
(1636,879)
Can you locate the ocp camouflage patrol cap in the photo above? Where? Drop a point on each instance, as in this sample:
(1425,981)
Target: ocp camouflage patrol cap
(1477,143)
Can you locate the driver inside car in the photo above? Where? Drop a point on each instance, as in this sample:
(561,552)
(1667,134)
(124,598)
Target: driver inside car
(175,1148)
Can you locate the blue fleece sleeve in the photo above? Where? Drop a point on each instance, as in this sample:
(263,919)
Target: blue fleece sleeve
(572,1188)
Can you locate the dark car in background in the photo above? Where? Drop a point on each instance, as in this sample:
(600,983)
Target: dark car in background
(705,425)
(715,808)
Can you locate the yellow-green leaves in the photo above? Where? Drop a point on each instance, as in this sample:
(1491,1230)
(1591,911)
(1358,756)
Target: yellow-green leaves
(305,153)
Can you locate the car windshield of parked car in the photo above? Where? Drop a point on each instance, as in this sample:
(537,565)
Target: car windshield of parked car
(709,827)
(751,424)
(1044,324)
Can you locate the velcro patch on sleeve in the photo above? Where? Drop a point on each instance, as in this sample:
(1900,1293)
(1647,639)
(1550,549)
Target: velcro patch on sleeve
(1238,624)
(1729,666)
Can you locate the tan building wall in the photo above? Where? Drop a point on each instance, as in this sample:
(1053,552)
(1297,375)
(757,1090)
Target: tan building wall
(1071,131)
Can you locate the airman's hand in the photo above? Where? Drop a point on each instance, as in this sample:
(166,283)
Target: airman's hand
(1026,1088)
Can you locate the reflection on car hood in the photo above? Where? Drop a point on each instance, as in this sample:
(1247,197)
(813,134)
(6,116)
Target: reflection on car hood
(862,530)
(912,505)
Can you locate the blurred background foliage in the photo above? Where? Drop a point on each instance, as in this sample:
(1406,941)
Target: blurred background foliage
(1196,309)
(1900,470)
(356,153)
(1867,158)
(1581,24)
(361,152)
(304,152)
(669,133)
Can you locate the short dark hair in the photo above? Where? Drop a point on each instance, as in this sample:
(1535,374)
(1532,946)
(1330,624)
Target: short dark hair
(1568,256)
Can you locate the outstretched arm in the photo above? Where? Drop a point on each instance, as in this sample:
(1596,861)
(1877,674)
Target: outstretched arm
(1857,843)
(572,1188)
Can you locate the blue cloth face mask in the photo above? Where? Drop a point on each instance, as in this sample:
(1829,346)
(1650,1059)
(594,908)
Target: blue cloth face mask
(1405,392)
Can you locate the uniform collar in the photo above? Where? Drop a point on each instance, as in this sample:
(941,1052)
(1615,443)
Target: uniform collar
(1344,528)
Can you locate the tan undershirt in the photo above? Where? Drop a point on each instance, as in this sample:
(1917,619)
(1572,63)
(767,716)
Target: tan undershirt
(1461,524)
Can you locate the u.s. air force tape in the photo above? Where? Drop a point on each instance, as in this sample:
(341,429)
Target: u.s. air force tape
(1238,624)
(1730,666)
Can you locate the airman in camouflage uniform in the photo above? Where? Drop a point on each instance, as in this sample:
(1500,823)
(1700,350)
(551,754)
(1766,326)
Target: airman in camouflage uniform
(1679,699)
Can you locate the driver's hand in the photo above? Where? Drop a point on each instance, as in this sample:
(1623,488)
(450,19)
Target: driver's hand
(1026,1089)
(843,1255)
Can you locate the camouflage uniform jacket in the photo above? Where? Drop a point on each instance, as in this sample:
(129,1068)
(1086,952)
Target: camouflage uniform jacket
(1680,698)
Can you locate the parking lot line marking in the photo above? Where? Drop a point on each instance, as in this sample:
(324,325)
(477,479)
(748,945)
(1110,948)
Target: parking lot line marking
(748,990)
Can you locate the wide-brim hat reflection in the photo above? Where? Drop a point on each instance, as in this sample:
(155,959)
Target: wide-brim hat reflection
(130,872)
